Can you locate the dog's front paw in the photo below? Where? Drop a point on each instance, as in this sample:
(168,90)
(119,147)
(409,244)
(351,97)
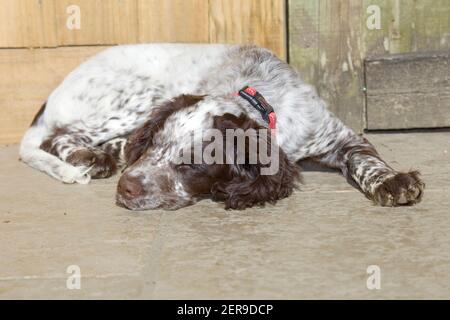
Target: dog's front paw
(403,189)
(101,164)
(72,174)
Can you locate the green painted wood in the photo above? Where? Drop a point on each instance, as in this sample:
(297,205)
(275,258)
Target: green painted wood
(304,38)
(329,40)
(341,76)
(409,26)
(432,25)
(324,45)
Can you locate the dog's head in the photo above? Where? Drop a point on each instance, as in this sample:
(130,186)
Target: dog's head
(192,149)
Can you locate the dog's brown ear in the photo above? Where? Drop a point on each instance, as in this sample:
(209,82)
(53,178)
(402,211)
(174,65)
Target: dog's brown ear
(142,138)
(249,186)
(138,142)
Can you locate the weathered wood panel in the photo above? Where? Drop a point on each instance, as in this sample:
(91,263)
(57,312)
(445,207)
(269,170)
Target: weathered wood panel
(409,26)
(304,38)
(408,91)
(340,75)
(28,78)
(173,21)
(325,47)
(249,21)
(328,40)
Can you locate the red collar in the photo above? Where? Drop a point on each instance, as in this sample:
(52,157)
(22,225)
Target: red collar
(259,103)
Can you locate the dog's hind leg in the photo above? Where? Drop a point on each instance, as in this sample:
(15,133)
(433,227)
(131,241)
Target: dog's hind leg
(76,149)
(337,146)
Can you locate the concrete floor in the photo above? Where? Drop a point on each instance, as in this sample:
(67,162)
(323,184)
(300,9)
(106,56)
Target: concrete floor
(316,244)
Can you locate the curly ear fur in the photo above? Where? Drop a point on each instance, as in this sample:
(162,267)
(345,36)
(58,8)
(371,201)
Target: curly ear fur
(141,139)
(247,186)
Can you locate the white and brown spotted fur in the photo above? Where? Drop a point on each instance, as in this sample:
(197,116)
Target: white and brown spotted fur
(134,106)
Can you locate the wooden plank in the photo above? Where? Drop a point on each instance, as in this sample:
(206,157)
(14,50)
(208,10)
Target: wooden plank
(31,76)
(11,25)
(27,23)
(396,33)
(408,91)
(341,64)
(122,21)
(173,21)
(304,38)
(325,46)
(401,30)
(260,22)
(431,25)
(409,26)
(102,22)
(377,41)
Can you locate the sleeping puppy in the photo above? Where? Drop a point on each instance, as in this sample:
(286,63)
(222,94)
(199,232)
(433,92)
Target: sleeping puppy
(186,122)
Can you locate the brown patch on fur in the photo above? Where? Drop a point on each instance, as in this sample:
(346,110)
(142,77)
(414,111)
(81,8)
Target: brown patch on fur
(103,164)
(406,185)
(345,150)
(114,149)
(48,146)
(141,139)
(363,148)
(38,114)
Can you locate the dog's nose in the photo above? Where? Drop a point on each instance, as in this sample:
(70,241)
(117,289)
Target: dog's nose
(129,187)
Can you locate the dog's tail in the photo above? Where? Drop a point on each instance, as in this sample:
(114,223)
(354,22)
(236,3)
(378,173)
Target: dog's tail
(31,154)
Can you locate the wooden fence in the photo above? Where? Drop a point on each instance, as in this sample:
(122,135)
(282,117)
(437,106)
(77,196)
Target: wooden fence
(37,48)
(327,40)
